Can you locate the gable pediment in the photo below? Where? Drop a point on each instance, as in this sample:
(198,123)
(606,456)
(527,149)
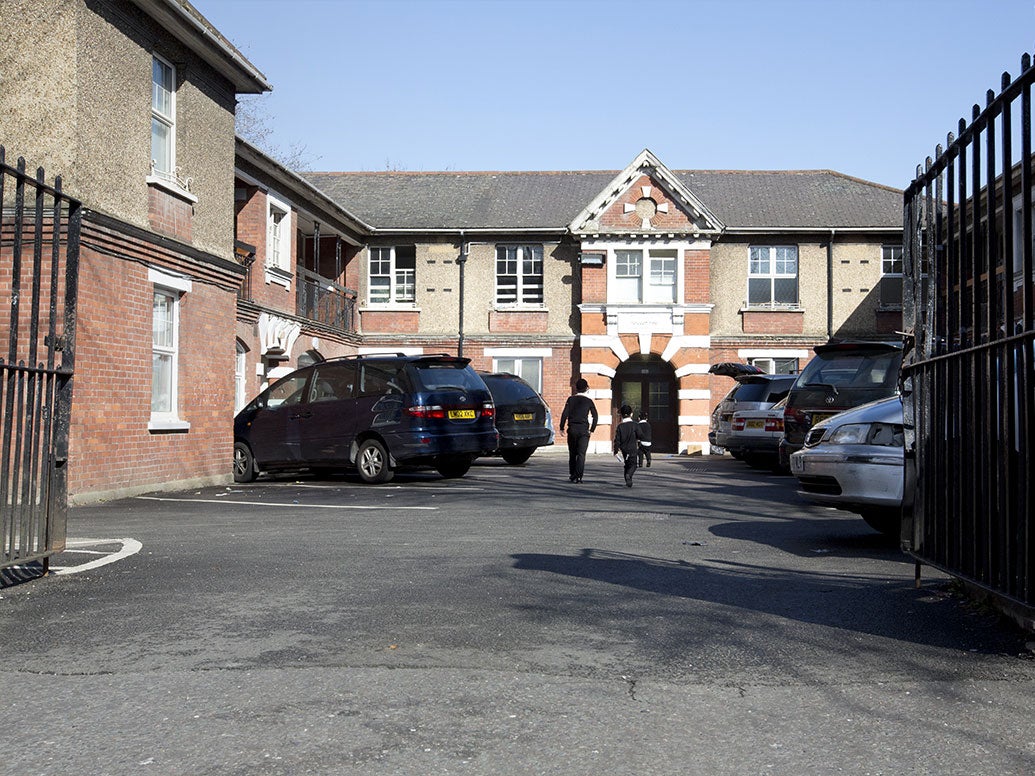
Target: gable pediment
(646,199)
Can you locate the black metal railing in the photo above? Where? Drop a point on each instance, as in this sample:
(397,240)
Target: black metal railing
(969,380)
(322,300)
(39,266)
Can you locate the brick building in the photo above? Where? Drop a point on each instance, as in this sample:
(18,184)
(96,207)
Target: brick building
(637,279)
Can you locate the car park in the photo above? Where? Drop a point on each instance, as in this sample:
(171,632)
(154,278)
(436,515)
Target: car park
(373,413)
(752,392)
(854,461)
(755,435)
(523,417)
(842,375)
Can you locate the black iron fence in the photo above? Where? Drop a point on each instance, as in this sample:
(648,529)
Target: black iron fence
(969,381)
(39,265)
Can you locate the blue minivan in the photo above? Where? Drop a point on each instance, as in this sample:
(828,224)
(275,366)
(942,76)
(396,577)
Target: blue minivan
(374,413)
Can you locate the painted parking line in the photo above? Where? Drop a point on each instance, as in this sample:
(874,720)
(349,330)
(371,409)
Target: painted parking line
(380,488)
(78,547)
(280,504)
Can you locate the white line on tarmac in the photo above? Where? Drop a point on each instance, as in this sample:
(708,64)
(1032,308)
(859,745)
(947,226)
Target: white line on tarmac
(277,504)
(129,547)
(415,486)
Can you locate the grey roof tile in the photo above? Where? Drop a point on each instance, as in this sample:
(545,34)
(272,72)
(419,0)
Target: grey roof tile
(809,199)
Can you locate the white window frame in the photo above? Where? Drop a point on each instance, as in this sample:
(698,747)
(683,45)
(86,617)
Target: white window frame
(656,279)
(768,364)
(402,282)
(528,368)
(529,289)
(887,271)
(279,259)
(772,275)
(166,119)
(173,288)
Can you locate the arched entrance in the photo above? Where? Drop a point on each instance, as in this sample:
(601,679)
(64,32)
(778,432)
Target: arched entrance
(647,383)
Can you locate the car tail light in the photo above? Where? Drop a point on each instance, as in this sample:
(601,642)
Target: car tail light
(434,412)
(738,424)
(774,424)
(488,410)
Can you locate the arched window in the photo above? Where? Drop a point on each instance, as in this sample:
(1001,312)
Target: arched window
(240,377)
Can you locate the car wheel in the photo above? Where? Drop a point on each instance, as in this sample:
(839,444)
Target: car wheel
(885,521)
(452,468)
(372,462)
(244,463)
(517,455)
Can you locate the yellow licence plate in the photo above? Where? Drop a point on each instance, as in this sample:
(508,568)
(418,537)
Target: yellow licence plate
(755,424)
(461,414)
(524,416)
(819,417)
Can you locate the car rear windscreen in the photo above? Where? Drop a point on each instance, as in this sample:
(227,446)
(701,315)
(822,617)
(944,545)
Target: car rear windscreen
(435,376)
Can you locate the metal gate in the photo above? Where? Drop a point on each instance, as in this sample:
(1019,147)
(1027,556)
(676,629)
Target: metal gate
(969,381)
(39,266)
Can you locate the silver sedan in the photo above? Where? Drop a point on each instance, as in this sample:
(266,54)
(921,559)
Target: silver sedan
(853,461)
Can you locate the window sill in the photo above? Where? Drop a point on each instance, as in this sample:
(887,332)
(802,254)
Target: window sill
(772,309)
(168,425)
(279,276)
(171,186)
(520,308)
(407,307)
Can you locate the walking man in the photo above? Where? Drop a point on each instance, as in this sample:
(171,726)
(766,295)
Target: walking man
(580,416)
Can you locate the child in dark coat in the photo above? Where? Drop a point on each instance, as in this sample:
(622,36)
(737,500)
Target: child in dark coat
(643,454)
(627,442)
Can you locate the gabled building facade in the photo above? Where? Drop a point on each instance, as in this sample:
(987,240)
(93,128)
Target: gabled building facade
(637,280)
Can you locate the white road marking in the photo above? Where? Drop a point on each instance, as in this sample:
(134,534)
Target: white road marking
(277,504)
(129,547)
(414,486)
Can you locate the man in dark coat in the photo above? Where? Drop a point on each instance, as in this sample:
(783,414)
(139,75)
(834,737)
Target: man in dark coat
(580,416)
(627,442)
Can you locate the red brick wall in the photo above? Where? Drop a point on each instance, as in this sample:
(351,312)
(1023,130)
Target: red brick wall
(594,284)
(790,322)
(518,322)
(112,451)
(616,218)
(170,215)
(389,321)
(697,280)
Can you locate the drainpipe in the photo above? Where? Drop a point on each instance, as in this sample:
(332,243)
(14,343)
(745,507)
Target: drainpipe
(830,286)
(461,260)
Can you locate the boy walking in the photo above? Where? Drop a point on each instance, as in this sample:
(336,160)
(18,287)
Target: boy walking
(643,453)
(626,442)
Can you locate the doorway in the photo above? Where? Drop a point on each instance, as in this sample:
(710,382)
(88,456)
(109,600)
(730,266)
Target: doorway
(648,384)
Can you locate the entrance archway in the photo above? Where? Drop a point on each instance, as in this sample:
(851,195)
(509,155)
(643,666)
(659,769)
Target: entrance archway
(647,383)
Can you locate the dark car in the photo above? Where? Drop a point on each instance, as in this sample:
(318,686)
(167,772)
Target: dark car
(752,392)
(374,413)
(842,375)
(523,417)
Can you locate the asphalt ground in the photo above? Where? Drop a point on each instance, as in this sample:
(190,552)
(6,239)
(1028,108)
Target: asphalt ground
(704,621)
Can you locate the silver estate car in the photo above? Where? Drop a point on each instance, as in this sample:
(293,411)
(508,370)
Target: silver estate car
(854,461)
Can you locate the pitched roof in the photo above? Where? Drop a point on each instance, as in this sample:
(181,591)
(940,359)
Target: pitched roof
(428,201)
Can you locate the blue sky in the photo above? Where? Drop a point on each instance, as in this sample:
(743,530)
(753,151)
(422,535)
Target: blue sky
(867,88)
